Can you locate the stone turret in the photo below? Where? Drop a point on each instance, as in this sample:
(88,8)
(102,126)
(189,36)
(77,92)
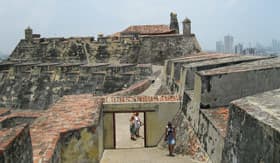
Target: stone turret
(187,27)
(28,34)
(174,22)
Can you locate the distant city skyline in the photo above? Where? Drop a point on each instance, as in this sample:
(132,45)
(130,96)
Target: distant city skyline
(228,45)
(211,19)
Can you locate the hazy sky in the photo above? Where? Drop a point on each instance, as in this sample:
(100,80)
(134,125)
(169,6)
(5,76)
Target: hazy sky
(246,20)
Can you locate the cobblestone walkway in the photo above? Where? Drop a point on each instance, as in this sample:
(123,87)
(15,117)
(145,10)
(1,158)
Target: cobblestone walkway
(152,90)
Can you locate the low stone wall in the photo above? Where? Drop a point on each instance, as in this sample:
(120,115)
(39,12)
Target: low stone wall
(133,89)
(15,145)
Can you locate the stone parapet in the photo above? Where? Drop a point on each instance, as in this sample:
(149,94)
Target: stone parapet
(188,70)
(218,87)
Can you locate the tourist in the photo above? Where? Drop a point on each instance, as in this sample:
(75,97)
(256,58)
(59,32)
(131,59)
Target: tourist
(170,137)
(138,123)
(132,128)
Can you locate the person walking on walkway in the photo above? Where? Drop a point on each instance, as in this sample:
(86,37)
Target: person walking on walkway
(170,137)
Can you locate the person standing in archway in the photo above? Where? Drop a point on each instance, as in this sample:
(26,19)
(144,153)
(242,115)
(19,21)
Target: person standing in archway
(170,137)
(138,123)
(132,128)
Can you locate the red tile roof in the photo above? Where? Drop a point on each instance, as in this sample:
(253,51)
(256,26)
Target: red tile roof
(148,29)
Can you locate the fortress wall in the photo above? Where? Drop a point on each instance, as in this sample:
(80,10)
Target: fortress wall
(43,85)
(254,129)
(148,49)
(219,89)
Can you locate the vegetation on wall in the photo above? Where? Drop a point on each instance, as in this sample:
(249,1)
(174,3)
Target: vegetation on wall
(83,149)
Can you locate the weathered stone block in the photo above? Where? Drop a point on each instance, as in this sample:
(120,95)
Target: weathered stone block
(254,129)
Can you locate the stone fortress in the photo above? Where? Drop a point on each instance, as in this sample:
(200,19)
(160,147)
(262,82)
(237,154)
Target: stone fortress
(59,97)
(40,70)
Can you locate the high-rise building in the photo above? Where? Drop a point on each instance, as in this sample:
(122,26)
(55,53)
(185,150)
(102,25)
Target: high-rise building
(275,44)
(220,47)
(238,49)
(249,51)
(228,44)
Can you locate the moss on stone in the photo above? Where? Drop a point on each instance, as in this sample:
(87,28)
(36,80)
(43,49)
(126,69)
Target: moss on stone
(83,149)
